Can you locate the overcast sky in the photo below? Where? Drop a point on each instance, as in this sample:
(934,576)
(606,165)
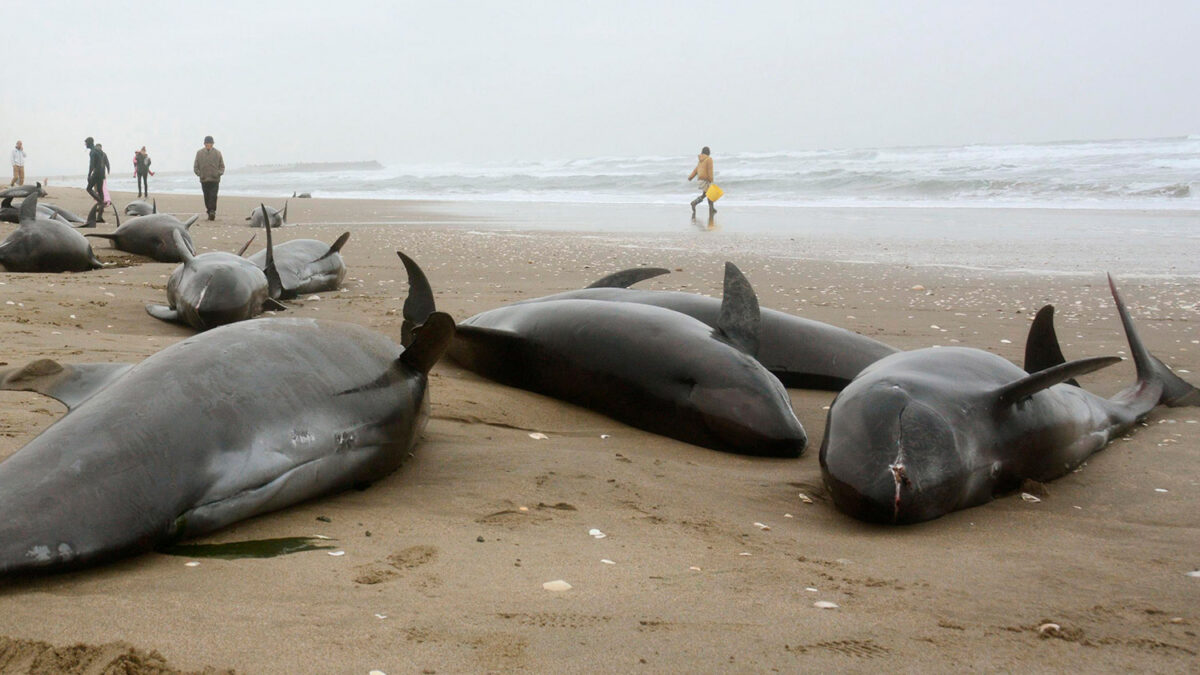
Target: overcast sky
(463,81)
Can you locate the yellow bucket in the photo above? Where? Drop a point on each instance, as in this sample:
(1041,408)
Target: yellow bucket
(714,193)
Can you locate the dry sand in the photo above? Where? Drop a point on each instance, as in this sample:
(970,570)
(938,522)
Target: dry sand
(445,559)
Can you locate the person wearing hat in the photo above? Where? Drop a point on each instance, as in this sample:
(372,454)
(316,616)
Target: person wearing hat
(209,166)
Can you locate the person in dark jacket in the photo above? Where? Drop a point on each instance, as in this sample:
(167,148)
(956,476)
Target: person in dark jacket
(209,166)
(141,171)
(97,170)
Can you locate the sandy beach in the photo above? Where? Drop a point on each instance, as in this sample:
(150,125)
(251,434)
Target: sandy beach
(711,562)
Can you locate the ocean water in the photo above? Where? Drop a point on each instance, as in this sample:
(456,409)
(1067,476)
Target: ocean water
(1162,173)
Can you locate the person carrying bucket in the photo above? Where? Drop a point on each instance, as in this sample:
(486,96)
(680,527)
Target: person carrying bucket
(704,171)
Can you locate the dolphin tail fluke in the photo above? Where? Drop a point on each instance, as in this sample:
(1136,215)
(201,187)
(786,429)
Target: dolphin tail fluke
(629,277)
(739,320)
(419,304)
(429,342)
(70,384)
(274,283)
(1176,391)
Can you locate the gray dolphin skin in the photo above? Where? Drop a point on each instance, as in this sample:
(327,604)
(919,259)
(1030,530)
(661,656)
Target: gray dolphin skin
(152,236)
(307,265)
(190,440)
(647,366)
(21,191)
(45,245)
(801,352)
(213,289)
(278,218)
(139,207)
(920,434)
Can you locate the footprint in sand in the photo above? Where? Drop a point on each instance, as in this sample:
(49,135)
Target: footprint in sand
(401,561)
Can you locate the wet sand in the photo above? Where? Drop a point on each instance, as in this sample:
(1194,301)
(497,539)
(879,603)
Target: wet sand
(445,559)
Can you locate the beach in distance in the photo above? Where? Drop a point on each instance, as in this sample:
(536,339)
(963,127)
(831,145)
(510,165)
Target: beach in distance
(678,558)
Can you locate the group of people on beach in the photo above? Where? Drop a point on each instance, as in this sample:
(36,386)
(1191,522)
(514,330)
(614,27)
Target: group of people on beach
(209,166)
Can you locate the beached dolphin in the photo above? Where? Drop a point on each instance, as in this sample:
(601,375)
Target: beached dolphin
(225,425)
(307,265)
(152,236)
(139,207)
(278,218)
(647,366)
(21,191)
(801,352)
(12,214)
(45,245)
(212,289)
(62,213)
(302,195)
(920,434)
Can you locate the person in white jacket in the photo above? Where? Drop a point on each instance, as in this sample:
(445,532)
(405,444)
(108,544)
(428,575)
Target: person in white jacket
(18,162)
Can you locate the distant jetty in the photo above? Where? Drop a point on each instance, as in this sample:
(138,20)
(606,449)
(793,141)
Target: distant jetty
(313,167)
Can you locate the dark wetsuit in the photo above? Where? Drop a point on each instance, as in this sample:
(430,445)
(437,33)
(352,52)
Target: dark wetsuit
(97,170)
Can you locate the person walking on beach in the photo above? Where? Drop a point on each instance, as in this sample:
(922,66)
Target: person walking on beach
(209,166)
(141,171)
(703,171)
(97,161)
(18,162)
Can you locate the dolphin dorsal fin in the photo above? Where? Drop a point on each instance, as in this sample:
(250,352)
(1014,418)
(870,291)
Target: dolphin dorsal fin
(429,342)
(1041,347)
(185,252)
(629,277)
(739,320)
(154,206)
(6,203)
(242,251)
(1044,379)
(335,247)
(283,214)
(274,283)
(419,304)
(28,209)
(187,224)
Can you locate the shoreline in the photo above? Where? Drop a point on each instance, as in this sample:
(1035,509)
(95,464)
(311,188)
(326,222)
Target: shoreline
(695,583)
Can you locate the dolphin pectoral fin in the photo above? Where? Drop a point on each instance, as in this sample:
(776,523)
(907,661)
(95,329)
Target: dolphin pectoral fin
(739,320)
(1041,347)
(419,305)
(192,221)
(273,304)
(334,247)
(70,384)
(629,277)
(1027,386)
(242,251)
(274,283)
(164,313)
(430,341)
